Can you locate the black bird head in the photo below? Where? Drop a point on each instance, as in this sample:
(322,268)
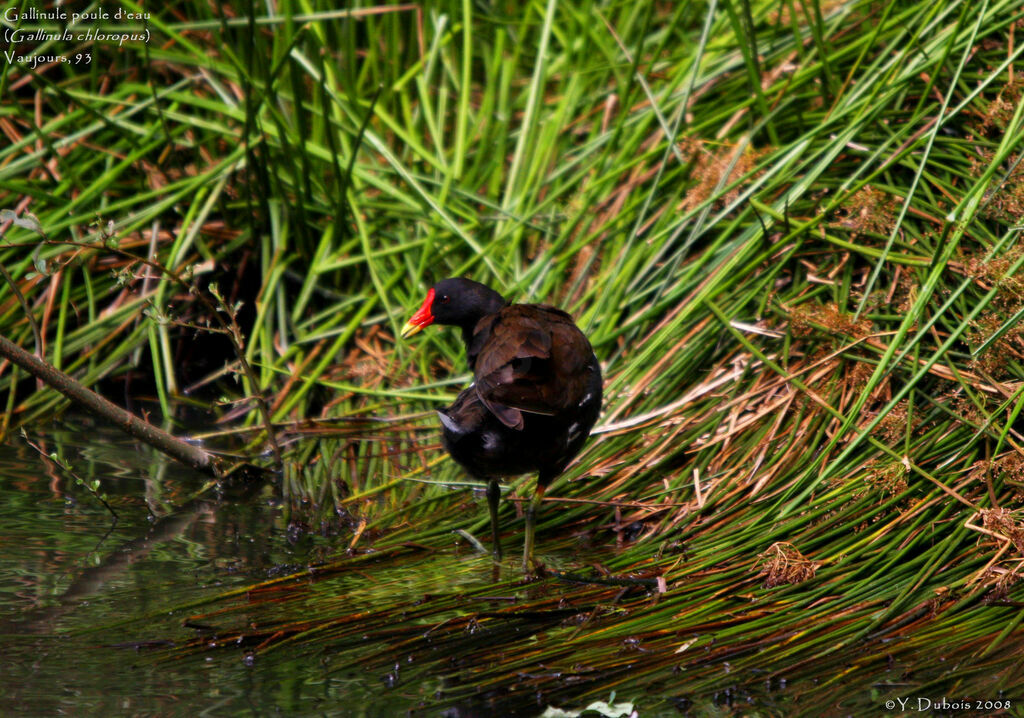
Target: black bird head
(455,302)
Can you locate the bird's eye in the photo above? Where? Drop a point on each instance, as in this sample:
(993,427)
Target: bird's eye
(445,299)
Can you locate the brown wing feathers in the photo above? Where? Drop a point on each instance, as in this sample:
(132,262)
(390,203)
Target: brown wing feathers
(528,358)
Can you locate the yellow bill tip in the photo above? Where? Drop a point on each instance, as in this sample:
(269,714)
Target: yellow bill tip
(409,329)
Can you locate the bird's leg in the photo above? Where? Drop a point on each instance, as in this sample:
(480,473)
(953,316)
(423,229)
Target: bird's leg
(493,496)
(531,522)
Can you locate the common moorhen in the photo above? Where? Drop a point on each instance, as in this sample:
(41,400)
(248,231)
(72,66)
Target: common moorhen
(535,396)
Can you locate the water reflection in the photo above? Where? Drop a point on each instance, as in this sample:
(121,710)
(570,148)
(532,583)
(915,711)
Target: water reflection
(84,597)
(187,604)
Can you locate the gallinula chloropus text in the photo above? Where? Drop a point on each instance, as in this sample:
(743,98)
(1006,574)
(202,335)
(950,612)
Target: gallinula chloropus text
(536,390)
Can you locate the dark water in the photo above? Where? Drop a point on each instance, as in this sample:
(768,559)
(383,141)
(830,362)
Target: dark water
(129,616)
(142,616)
(89,605)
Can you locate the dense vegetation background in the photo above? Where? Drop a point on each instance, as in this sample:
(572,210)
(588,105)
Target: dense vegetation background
(791,230)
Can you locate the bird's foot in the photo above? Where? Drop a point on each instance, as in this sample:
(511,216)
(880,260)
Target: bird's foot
(534,568)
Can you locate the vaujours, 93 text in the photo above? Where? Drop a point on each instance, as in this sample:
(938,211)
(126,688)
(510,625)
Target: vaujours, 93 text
(34,61)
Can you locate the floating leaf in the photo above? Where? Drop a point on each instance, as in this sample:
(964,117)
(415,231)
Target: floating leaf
(601,708)
(26,221)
